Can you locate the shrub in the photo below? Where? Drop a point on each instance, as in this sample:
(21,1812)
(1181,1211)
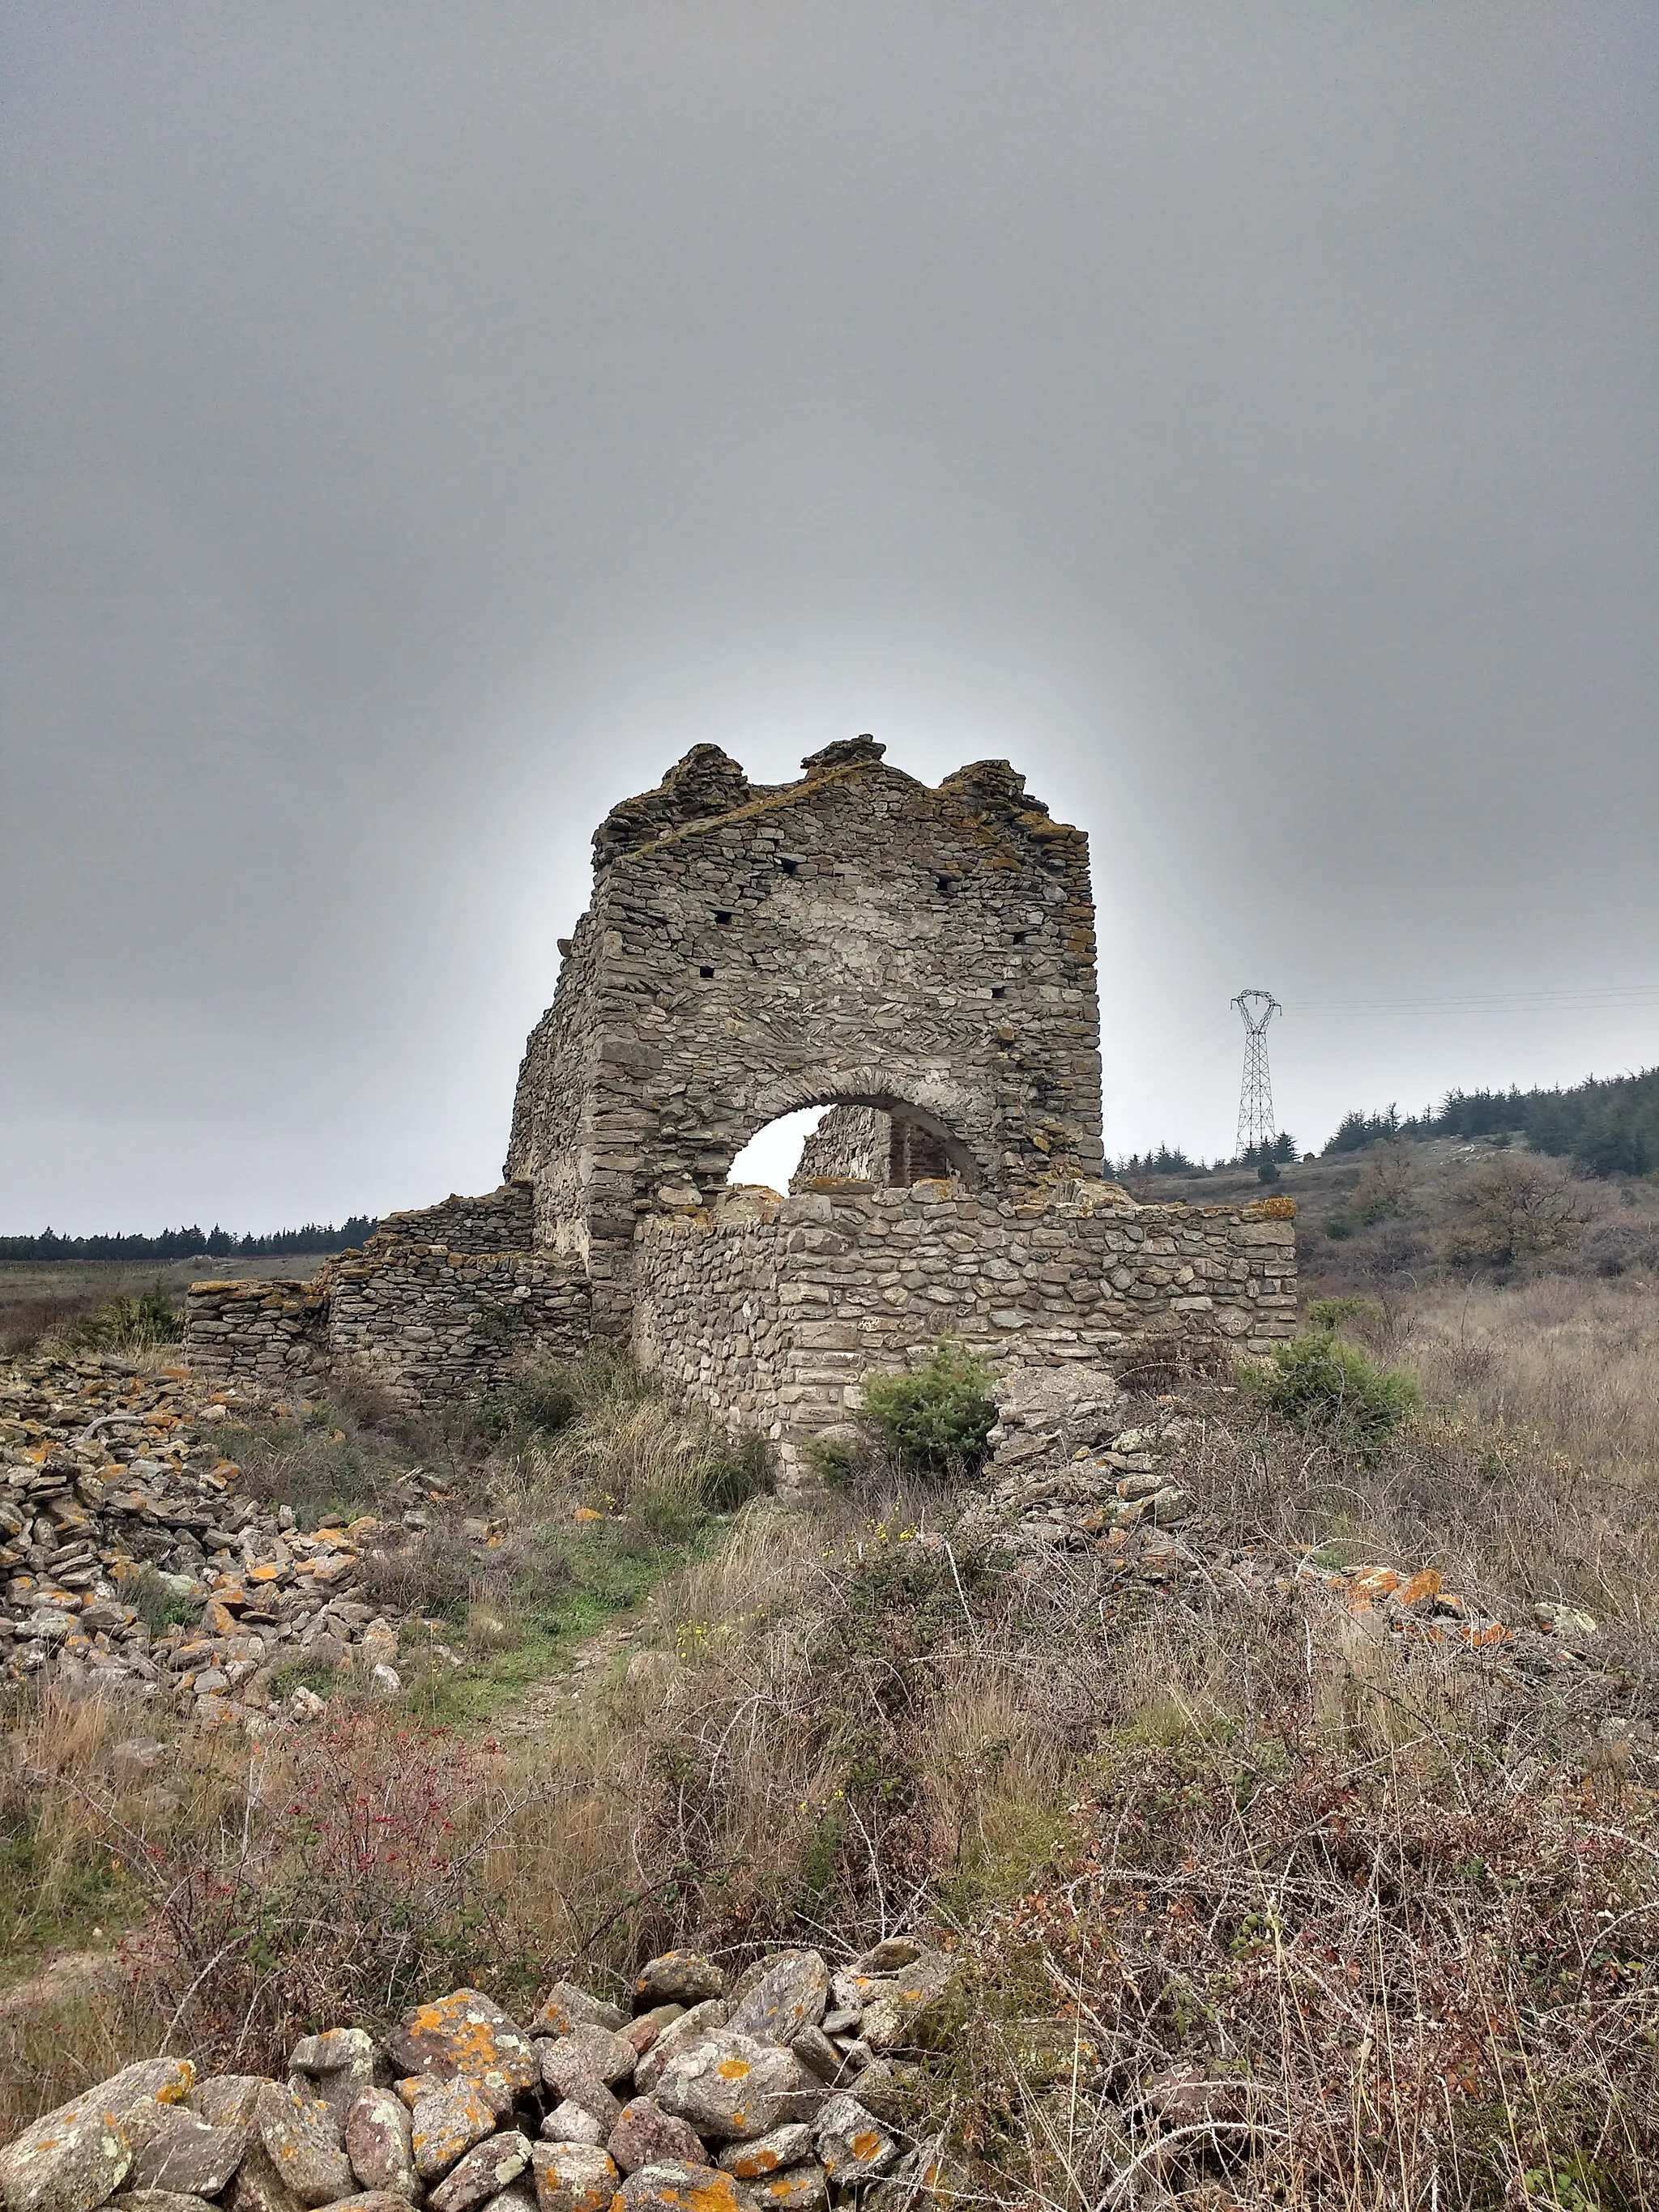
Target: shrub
(1513,1207)
(1387,1182)
(938,1416)
(430,1573)
(1331,1388)
(155,1604)
(128,1324)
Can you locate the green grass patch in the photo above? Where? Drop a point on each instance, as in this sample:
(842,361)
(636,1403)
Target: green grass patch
(52,1906)
(609,1569)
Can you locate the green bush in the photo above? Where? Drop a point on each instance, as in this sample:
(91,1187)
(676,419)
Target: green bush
(128,1324)
(1332,1390)
(938,1416)
(836,1461)
(155,1604)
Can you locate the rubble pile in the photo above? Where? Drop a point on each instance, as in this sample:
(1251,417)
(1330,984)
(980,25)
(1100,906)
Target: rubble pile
(1080,1471)
(798,2087)
(114,1488)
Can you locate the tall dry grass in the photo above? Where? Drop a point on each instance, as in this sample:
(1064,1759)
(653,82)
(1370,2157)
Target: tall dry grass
(1256,1902)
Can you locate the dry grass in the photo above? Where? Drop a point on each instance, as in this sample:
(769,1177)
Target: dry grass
(1263,1906)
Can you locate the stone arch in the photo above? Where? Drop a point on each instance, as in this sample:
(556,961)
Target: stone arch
(884,1095)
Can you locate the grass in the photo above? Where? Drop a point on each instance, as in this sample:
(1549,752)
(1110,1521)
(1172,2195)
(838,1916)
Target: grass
(43,1301)
(1257,1905)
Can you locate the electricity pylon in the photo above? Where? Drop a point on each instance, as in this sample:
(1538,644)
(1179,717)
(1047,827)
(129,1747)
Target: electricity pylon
(1256,1094)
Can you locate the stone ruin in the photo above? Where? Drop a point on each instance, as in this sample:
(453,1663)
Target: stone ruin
(920,961)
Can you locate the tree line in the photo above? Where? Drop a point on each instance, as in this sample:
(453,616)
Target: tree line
(1606,1126)
(215,1243)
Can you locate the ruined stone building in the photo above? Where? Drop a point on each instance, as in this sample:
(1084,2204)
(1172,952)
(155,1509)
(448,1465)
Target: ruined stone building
(920,960)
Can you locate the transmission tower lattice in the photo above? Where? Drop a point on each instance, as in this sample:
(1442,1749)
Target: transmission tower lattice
(1256,1094)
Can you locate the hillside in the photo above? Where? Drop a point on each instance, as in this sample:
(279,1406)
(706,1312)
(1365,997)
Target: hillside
(1282,1796)
(1606,1126)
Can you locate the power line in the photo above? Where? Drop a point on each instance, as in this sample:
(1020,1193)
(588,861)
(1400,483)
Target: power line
(1611,996)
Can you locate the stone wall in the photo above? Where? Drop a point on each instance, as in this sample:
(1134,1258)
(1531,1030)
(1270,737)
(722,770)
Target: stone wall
(854,937)
(921,960)
(861,1144)
(851,1142)
(273,1335)
(435,1325)
(503,1221)
(769,1311)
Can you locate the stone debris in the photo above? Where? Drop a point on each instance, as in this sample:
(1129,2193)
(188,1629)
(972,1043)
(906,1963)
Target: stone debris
(114,1484)
(1084,1476)
(482,2114)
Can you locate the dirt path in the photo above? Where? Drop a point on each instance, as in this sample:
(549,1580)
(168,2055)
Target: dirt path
(536,1709)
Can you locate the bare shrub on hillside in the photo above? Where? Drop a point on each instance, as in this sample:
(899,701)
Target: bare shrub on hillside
(1516,1206)
(1388,1181)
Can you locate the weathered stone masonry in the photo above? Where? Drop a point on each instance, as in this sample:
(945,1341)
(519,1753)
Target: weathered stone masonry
(768,1310)
(921,960)
(855,938)
(435,1320)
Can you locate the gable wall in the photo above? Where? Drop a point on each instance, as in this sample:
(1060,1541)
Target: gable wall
(884,943)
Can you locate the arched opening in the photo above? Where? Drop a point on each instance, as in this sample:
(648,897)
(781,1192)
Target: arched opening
(871,1138)
(773,1154)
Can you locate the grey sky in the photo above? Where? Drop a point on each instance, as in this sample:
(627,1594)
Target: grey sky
(422,423)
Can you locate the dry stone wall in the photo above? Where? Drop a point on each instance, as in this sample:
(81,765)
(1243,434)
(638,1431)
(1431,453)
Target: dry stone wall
(851,1142)
(921,960)
(504,1221)
(433,1324)
(769,1311)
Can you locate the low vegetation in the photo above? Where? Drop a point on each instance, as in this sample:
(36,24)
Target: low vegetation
(1332,1391)
(1261,1905)
(935,1416)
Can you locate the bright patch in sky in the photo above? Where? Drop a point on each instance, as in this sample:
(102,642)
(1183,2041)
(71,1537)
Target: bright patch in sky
(773,1154)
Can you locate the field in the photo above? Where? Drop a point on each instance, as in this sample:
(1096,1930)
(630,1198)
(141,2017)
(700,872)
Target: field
(1259,1902)
(39,1296)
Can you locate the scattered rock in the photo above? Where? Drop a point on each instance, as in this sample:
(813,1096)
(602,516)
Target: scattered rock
(448,2121)
(804,2188)
(336,2066)
(784,2147)
(732,2088)
(378,2143)
(681,1978)
(566,2007)
(678,2036)
(645,2135)
(487,2168)
(790,1997)
(187,2156)
(568,2123)
(301,2138)
(676,2187)
(852,2142)
(469,2034)
(574,2176)
(600,2053)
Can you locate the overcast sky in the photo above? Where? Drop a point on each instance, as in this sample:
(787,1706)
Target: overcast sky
(424,421)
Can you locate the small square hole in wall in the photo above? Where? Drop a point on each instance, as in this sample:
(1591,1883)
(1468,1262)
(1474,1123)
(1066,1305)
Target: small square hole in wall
(705,973)
(788,866)
(998,990)
(947,886)
(723,920)
(1020,936)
